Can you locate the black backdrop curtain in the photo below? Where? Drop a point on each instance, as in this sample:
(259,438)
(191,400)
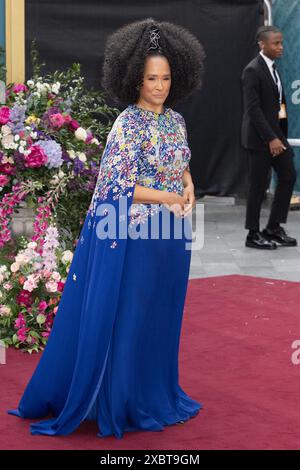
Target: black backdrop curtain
(70,31)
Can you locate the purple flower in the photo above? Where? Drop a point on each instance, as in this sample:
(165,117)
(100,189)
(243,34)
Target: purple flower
(17,118)
(78,166)
(19,160)
(46,116)
(53,151)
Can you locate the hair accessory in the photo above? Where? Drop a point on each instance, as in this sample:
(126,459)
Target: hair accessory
(154,37)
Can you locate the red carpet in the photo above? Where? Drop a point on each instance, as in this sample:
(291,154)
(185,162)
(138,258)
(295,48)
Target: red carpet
(235,358)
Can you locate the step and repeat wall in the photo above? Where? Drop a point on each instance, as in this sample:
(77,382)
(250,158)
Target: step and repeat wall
(286,15)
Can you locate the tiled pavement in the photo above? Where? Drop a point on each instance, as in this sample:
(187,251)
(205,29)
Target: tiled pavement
(224,250)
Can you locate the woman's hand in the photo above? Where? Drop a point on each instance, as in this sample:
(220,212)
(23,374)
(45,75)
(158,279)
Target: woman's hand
(189,196)
(173,202)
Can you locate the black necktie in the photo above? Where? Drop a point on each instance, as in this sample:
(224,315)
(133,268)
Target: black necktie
(275,76)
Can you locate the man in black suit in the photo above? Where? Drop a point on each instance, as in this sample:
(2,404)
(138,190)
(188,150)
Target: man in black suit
(264,135)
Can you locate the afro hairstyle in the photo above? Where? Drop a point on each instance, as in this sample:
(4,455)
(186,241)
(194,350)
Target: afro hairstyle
(127,49)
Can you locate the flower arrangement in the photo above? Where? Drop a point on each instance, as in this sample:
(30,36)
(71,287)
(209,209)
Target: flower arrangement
(52,131)
(30,291)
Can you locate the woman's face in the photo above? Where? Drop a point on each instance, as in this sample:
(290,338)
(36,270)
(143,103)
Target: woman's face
(157,81)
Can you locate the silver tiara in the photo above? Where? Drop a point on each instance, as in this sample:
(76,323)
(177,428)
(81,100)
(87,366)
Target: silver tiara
(154,37)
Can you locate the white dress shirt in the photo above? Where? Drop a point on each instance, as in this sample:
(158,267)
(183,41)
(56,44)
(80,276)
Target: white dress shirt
(270,63)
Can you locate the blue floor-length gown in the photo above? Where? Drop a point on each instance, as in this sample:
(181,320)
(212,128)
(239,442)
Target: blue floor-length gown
(112,355)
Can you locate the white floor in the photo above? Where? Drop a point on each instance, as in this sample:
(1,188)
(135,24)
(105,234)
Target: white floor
(224,250)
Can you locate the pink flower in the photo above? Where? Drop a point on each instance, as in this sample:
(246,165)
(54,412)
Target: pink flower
(7,286)
(46,273)
(74,124)
(43,305)
(4,115)
(20,321)
(8,169)
(19,87)
(31,340)
(21,334)
(22,279)
(67,119)
(4,180)
(89,138)
(60,286)
(36,158)
(45,334)
(24,298)
(57,120)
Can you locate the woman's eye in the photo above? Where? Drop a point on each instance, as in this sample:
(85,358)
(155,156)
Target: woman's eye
(167,78)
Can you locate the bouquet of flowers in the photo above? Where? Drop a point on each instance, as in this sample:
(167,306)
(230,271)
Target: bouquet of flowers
(52,131)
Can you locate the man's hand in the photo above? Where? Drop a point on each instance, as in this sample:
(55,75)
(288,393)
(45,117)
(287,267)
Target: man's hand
(276,147)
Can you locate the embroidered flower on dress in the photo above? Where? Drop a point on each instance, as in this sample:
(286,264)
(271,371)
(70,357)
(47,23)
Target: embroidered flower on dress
(146,148)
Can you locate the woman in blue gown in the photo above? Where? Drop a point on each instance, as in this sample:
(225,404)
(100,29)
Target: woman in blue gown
(112,355)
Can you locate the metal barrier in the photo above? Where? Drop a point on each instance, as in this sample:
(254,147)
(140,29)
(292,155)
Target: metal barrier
(268,20)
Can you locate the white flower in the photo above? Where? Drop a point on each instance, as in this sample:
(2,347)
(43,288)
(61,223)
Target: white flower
(17,137)
(4,310)
(28,286)
(71,154)
(95,141)
(7,286)
(51,286)
(56,276)
(81,134)
(33,135)
(21,258)
(3,268)
(61,174)
(5,130)
(37,94)
(67,256)
(37,266)
(15,267)
(8,141)
(1,278)
(21,149)
(31,282)
(30,83)
(43,88)
(23,143)
(32,245)
(54,180)
(55,88)
(82,157)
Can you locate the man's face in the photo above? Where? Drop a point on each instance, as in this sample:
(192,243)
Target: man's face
(272,46)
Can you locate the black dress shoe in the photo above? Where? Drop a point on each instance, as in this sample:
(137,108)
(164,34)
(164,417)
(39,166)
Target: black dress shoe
(257,240)
(279,236)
